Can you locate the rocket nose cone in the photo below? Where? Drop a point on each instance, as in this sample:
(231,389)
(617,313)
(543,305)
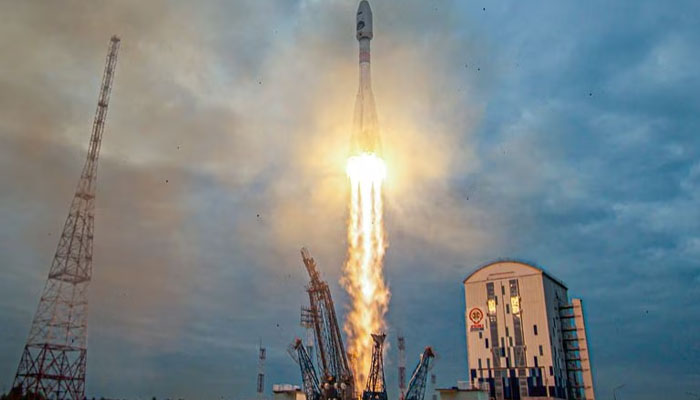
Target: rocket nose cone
(364,20)
(364,11)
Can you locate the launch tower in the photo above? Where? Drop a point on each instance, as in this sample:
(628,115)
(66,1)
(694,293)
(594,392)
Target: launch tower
(376,385)
(337,380)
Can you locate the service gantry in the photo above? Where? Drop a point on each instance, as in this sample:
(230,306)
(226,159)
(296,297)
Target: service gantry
(336,378)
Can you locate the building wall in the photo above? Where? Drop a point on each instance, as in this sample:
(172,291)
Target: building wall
(556,296)
(287,392)
(528,358)
(459,394)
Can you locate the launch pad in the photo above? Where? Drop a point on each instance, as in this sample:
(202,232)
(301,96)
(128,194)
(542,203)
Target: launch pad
(330,377)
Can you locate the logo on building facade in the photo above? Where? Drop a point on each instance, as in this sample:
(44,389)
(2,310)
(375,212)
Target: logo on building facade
(476,316)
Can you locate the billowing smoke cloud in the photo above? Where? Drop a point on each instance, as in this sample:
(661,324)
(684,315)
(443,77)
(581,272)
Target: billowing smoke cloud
(224,153)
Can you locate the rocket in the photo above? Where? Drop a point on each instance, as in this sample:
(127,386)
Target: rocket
(365,136)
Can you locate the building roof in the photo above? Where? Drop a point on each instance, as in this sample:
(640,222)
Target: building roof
(515,261)
(285,388)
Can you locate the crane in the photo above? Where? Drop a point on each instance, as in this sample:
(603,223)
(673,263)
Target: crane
(416,386)
(308,373)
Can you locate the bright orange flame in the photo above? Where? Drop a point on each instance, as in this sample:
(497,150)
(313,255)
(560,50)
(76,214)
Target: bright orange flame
(363,278)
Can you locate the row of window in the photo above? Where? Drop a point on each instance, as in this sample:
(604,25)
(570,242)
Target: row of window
(492,308)
(510,340)
(534,331)
(488,367)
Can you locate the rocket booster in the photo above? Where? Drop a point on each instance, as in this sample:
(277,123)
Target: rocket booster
(365,136)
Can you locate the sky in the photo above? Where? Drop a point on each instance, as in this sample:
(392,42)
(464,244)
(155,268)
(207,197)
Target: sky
(559,132)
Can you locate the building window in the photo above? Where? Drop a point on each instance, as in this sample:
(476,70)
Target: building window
(491,305)
(503,290)
(534,327)
(503,351)
(551,371)
(480,364)
(488,363)
(511,341)
(503,343)
(473,373)
(507,331)
(487,343)
(536,363)
(507,308)
(480,335)
(541,350)
(515,304)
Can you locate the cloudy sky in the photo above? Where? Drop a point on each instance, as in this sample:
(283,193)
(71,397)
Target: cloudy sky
(560,132)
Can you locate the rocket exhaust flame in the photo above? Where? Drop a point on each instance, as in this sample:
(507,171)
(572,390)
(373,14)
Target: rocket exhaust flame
(364,277)
(363,273)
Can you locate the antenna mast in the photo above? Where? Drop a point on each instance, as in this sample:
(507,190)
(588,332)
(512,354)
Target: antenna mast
(261,371)
(54,358)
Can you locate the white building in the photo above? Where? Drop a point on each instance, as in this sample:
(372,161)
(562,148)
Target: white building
(287,392)
(463,391)
(525,340)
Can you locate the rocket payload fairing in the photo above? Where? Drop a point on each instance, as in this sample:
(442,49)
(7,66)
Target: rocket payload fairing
(365,136)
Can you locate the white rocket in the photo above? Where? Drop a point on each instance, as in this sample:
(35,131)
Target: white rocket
(365,137)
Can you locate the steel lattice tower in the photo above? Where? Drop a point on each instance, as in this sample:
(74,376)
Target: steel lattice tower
(260,388)
(376,385)
(335,374)
(53,362)
(402,367)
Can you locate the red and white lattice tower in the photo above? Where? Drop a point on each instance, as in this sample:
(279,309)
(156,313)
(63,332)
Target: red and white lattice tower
(53,362)
(260,387)
(402,367)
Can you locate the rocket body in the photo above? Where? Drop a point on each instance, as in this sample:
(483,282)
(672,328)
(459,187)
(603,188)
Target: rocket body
(365,137)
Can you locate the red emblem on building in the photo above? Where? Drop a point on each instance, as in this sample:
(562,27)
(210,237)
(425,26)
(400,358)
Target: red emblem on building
(476,316)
